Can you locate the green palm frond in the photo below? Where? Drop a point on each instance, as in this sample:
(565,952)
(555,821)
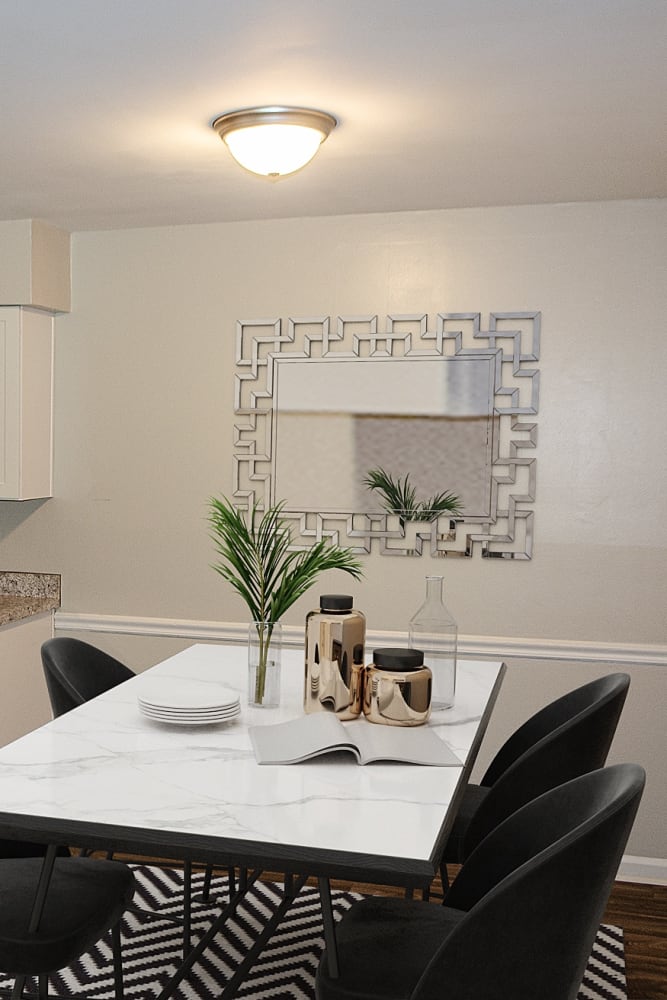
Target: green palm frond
(441,503)
(256,559)
(399,497)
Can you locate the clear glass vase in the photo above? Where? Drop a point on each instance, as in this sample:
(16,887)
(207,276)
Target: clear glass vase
(265,640)
(433,630)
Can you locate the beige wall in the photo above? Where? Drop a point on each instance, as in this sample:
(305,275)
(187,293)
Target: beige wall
(144,414)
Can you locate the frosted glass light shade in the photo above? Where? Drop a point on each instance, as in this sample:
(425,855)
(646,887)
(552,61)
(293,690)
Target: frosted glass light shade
(274,141)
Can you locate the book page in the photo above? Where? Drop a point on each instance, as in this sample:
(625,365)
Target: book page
(299,739)
(320,733)
(410,744)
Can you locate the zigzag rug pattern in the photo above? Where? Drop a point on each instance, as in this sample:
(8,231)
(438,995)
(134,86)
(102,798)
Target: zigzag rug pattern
(152,947)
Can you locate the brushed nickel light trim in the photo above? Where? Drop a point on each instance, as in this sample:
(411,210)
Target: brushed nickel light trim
(278,126)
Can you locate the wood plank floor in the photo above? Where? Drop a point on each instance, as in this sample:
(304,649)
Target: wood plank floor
(641,910)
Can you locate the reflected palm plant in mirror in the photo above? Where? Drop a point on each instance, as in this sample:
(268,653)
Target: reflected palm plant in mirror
(400,497)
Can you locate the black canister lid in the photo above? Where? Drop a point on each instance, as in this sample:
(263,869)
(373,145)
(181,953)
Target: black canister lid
(336,602)
(398,659)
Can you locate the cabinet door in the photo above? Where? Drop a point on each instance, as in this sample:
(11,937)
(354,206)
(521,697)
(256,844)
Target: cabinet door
(26,403)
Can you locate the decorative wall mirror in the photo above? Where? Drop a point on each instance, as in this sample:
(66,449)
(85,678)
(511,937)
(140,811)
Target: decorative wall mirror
(320,404)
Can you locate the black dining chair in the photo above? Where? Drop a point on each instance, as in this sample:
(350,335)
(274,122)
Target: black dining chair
(77,671)
(520,918)
(566,738)
(26,849)
(82,899)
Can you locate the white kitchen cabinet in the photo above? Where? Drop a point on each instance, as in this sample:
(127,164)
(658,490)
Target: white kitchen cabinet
(26,403)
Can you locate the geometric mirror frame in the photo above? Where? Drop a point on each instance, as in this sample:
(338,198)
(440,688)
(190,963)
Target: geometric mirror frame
(446,400)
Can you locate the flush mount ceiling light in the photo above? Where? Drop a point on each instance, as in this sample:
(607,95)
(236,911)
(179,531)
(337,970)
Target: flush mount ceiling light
(274,141)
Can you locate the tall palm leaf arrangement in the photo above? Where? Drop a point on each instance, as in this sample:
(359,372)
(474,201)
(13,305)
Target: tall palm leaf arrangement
(255,558)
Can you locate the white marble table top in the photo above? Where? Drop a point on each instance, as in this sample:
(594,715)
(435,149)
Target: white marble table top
(105,775)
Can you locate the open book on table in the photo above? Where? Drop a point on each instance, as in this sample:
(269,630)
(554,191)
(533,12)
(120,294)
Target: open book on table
(313,735)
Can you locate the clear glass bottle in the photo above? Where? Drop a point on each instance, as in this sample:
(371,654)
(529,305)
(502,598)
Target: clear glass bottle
(433,630)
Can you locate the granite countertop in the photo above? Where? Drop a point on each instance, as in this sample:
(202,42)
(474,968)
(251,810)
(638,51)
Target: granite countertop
(26,594)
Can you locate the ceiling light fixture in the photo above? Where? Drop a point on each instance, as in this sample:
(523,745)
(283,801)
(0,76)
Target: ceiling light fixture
(274,141)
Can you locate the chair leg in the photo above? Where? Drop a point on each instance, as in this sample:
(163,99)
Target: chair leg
(426,891)
(444,877)
(43,987)
(117,962)
(17,991)
(208,875)
(187,907)
(206,888)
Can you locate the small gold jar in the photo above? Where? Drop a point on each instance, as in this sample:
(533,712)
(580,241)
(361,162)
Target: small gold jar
(397,688)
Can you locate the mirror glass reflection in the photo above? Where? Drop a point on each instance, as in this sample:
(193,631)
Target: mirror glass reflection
(426,418)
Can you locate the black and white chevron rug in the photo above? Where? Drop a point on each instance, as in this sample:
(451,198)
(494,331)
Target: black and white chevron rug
(152,948)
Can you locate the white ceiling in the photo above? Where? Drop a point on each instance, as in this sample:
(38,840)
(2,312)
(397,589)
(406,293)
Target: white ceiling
(105,105)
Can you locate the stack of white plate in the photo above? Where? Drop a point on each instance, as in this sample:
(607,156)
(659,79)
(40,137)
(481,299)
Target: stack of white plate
(182,702)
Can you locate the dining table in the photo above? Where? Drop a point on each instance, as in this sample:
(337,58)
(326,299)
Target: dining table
(105,776)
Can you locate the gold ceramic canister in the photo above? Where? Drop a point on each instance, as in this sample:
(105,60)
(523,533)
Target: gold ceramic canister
(397,688)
